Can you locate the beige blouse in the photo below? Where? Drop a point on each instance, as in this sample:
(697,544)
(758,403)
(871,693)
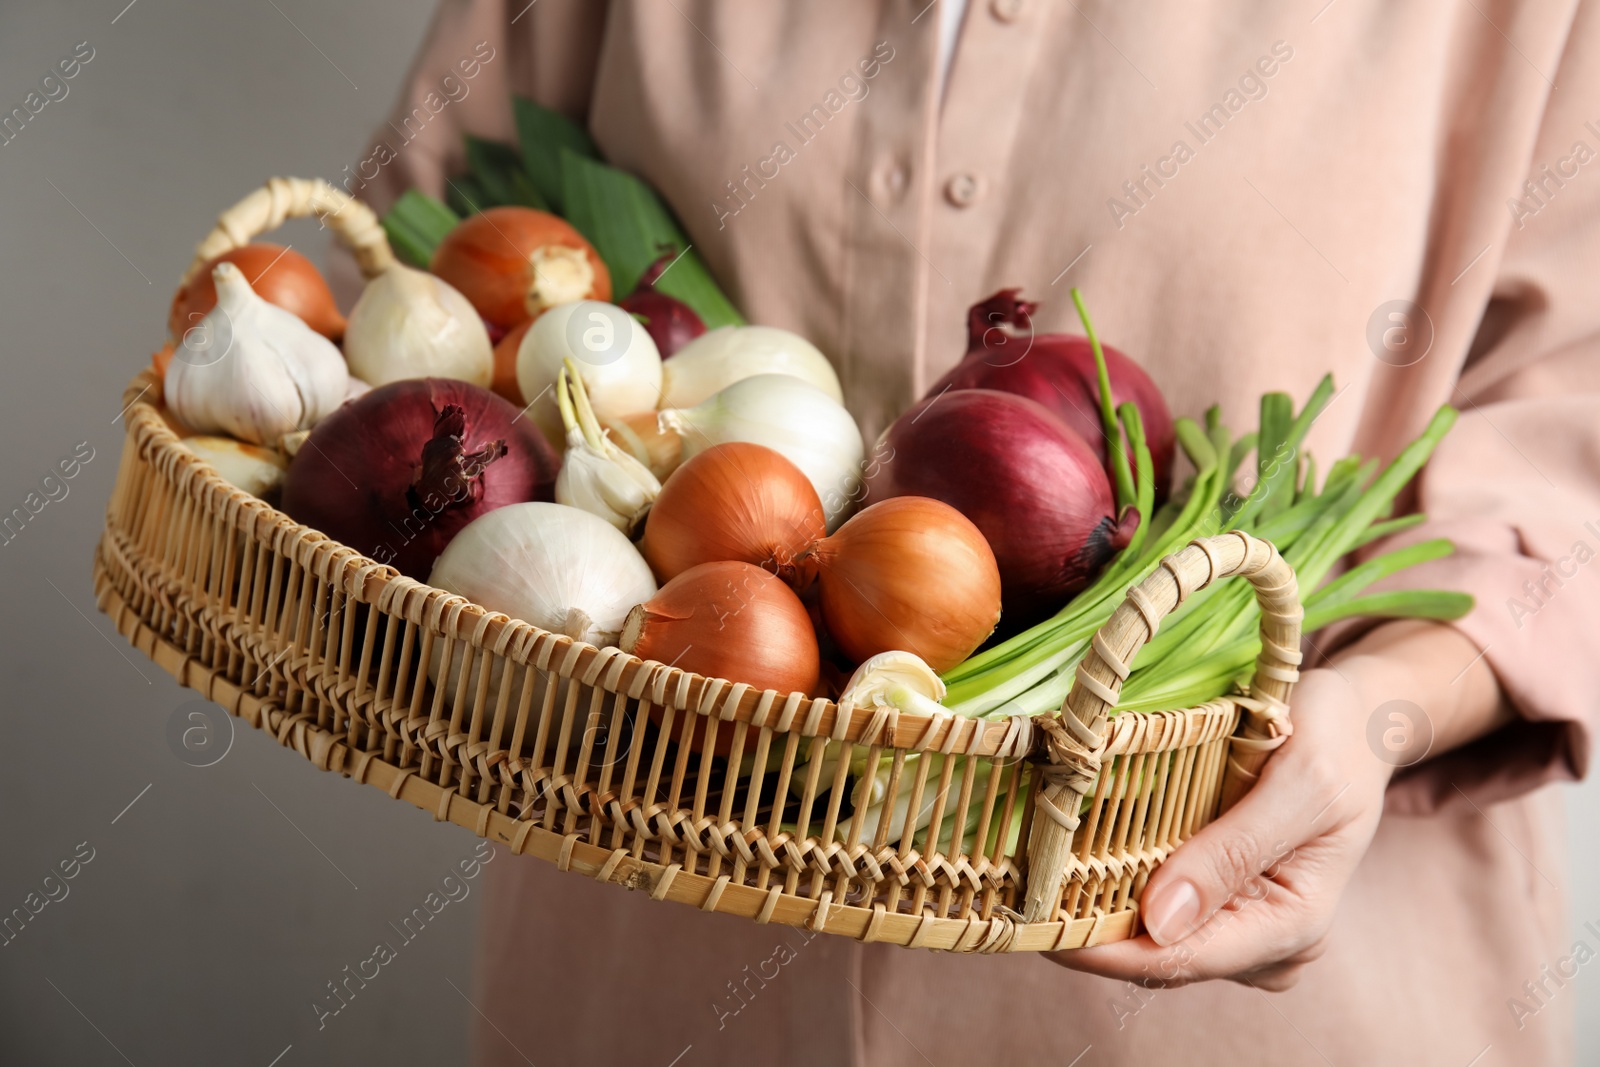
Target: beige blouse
(1404,194)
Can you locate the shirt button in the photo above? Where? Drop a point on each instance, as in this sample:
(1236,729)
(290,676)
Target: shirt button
(961,190)
(892,178)
(1006,10)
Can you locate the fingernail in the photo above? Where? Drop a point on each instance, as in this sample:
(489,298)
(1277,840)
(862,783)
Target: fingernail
(1172,914)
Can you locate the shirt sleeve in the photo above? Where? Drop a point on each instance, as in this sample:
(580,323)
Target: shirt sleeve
(1516,483)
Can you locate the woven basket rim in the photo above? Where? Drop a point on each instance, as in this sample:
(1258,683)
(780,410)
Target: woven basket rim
(1003,929)
(525,643)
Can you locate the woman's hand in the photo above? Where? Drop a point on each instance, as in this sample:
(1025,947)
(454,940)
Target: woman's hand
(1252,896)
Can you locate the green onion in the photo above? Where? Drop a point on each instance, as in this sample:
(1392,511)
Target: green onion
(1207,646)
(1122,478)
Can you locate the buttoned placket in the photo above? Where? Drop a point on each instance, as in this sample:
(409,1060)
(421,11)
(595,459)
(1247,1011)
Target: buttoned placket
(976,136)
(889,186)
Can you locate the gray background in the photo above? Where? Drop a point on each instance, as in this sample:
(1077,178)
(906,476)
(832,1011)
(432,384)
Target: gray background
(218,906)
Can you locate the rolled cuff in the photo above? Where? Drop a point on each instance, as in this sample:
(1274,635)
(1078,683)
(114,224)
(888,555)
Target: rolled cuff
(1533,621)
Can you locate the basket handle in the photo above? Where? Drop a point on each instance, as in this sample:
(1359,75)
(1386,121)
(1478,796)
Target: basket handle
(265,209)
(1075,738)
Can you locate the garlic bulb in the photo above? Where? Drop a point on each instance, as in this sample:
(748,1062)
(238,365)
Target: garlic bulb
(410,324)
(597,476)
(258,471)
(893,680)
(795,418)
(644,438)
(714,361)
(252,369)
(554,566)
(620,364)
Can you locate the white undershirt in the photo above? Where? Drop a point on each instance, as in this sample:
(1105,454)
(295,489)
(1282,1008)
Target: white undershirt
(950,13)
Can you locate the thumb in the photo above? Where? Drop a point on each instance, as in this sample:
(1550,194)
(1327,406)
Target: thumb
(1237,856)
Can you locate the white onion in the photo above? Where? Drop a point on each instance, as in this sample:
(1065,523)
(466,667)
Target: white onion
(411,324)
(792,417)
(618,361)
(559,568)
(714,361)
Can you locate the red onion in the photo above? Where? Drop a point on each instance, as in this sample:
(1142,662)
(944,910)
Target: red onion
(670,322)
(1023,476)
(1058,371)
(398,472)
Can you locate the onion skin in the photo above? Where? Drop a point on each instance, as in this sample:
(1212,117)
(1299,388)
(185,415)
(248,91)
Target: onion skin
(489,257)
(397,472)
(1058,371)
(278,275)
(735,501)
(670,322)
(726,620)
(505,363)
(1025,479)
(908,574)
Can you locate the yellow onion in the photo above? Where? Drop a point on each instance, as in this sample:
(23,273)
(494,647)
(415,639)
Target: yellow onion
(278,275)
(727,620)
(908,574)
(735,501)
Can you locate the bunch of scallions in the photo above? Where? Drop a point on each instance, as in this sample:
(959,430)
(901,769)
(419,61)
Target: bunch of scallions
(1206,648)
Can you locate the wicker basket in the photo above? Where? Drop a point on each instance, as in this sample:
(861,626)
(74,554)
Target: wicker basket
(1031,834)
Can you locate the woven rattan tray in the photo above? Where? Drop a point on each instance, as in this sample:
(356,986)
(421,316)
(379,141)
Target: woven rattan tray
(1032,834)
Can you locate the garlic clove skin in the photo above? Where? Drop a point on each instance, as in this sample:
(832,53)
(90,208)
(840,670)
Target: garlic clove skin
(410,324)
(251,369)
(258,471)
(896,679)
(597,476)
(644,438)
(614,485)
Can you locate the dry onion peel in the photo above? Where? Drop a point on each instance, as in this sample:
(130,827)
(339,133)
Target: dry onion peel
(727,620)
(734,501)
(792,417)
(908,573)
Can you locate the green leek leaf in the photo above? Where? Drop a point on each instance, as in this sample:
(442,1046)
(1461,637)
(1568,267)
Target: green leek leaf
(631,227)
(543,135)
(497,167)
